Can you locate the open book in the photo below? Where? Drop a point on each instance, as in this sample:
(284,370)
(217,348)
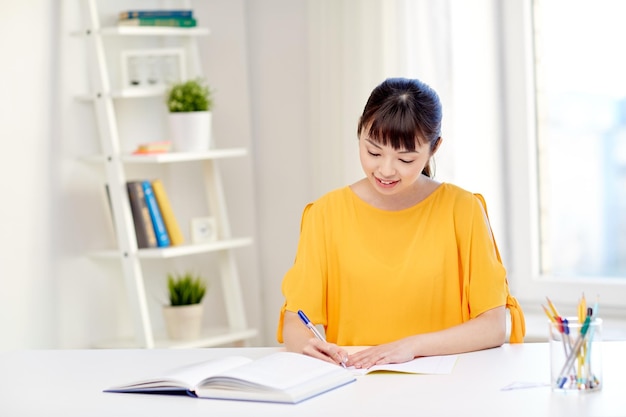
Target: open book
(283,377)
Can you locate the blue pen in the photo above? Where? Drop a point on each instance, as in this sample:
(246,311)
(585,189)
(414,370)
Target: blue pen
(310,325)
(569,362)
(313,329)
(566,331)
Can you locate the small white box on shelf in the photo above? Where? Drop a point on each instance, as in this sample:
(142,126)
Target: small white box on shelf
(203,229)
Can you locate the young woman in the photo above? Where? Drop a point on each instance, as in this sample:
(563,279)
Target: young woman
(397,261)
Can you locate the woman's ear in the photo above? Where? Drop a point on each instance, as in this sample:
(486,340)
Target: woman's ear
(436,147)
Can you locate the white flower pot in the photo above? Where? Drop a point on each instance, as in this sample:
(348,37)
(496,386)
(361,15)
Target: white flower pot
(183,322)
(190,132)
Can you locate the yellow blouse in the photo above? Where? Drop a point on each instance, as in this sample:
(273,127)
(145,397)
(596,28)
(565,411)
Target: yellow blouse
(372,276)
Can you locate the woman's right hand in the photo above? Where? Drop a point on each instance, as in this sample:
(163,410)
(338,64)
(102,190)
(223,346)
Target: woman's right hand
(298,338)
(329,352)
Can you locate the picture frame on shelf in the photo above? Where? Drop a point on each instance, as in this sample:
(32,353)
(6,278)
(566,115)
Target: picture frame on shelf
(203,229)
(152,68)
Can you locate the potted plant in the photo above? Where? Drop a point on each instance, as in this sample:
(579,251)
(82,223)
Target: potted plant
(190,105)
(183,315)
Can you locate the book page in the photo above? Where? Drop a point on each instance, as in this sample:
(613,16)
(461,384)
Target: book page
(278,371)
(186,377)
(285,377)
(441,365)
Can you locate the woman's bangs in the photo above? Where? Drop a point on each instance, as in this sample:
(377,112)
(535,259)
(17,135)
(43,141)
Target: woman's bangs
(396,130)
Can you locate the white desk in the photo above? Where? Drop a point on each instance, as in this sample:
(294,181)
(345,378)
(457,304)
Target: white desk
(70,382)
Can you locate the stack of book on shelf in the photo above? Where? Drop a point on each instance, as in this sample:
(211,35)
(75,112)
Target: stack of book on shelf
(155,223)
(150,148)
(182,18)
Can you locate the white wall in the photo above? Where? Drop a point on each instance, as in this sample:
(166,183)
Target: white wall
(279,80)
(27,298)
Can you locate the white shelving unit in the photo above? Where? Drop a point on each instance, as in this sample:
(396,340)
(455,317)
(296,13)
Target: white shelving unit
(116,163)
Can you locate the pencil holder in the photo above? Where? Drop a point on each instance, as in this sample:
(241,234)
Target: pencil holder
(576,355)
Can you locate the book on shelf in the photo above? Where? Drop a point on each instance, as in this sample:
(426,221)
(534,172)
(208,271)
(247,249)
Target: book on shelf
(144,230)
(182,22)
(171,224)
(134,14)
(150,148)
(163,239)
(283,377)
(107,193)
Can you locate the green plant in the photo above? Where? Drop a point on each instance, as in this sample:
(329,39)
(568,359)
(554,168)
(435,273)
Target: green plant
(188,96)
(185,289)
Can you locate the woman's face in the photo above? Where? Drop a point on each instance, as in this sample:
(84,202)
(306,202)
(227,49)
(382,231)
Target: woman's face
(391,171)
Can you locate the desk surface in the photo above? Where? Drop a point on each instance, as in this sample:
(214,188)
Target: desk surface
(70,383)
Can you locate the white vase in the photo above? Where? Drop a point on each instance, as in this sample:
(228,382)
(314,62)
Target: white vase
(183,322)
(191,131)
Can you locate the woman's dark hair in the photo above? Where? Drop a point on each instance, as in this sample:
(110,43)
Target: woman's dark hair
(401,111)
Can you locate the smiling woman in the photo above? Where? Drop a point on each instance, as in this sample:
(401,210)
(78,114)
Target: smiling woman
(414,261)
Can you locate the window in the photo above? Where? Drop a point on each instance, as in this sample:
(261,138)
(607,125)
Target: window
(567,148)
(581,136)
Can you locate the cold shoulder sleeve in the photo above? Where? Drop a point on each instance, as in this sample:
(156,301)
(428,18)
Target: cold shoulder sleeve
(518,323)
(304,284)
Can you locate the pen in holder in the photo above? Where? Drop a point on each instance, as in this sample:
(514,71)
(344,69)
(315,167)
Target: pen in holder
(575,354)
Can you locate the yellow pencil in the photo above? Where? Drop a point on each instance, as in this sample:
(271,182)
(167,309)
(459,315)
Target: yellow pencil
(552,308)
(582,312)
(550,316)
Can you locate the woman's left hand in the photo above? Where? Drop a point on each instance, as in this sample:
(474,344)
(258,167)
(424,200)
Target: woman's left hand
(395,352)
(485,331)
